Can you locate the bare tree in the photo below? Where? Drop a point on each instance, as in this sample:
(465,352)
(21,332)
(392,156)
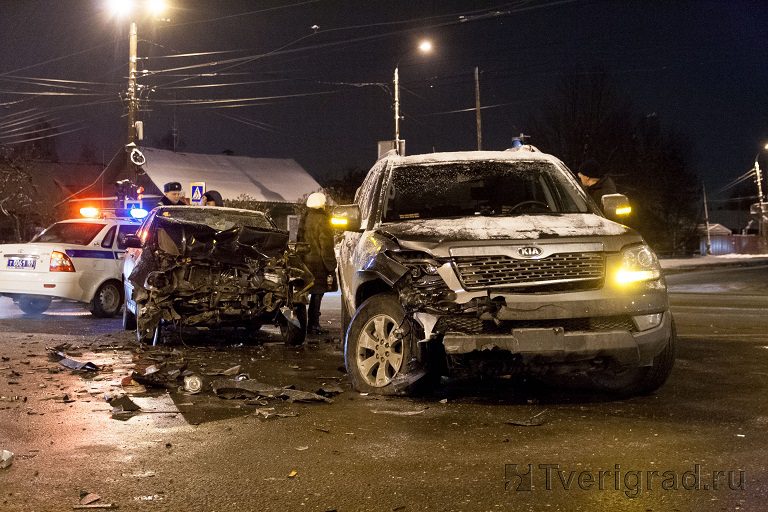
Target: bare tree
(19,198)
(589,118)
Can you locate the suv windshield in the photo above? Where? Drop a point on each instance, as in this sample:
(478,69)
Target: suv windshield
(218,219)
(491,188)
(79,233)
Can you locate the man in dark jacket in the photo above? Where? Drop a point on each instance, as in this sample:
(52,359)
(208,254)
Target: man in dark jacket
(315,229)
(172,197)
(595,180)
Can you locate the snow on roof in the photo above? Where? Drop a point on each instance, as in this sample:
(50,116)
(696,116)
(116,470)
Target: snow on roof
(429,158)
(714,229)
(263,179)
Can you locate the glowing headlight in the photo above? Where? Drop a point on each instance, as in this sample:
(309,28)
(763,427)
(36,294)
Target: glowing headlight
(638,263)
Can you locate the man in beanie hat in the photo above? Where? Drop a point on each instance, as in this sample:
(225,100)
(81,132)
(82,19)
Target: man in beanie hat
(315,229)
(172,195)
(595,180)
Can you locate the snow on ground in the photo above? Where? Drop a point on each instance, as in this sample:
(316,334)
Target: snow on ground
(711,260)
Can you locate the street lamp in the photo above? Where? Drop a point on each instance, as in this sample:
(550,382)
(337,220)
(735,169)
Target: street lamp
(123,9)
(425,46)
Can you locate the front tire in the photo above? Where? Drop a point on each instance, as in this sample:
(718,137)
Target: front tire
(107,300)
(34,305)
(378,348)
(642,380)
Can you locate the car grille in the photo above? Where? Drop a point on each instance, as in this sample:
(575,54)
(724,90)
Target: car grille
(466,324)
(573,271)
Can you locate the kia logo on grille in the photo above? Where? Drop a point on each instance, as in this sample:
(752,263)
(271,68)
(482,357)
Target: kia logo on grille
(529,252)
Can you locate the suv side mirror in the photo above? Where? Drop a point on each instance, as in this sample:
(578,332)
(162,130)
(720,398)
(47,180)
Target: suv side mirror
(346,217)
(133,241)
(616,206)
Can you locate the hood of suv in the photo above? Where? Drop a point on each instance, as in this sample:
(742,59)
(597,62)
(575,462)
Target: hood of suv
(522,227)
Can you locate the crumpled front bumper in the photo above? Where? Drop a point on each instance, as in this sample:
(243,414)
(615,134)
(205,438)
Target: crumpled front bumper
(555,345)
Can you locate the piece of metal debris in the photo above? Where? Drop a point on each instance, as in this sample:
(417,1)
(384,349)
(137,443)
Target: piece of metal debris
(6,459)
(193,384)
(269,412)
(398,413)
(293,473)
(72,364)
(534,421)
(248,389)
(329,390)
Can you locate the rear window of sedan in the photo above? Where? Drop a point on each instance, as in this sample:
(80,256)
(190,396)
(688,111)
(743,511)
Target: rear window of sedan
(78,233)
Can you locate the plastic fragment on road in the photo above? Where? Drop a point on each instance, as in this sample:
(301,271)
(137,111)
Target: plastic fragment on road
(89,498)
(293,473)
(6,459)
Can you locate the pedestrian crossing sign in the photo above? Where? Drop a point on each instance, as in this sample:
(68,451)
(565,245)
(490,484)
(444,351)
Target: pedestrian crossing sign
(198,189)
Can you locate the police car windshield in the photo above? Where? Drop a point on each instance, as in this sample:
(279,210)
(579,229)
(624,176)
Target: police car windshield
(484,188)
(219,219)
(78,233)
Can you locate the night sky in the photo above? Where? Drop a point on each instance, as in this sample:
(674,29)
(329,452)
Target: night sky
(324,98)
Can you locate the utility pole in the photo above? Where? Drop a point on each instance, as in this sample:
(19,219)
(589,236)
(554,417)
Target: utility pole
(478,119)
(396,82)
(132,100)
(760,229)
(706,220)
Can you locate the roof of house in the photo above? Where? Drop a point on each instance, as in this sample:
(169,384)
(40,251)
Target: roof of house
(261,179)
(714,229)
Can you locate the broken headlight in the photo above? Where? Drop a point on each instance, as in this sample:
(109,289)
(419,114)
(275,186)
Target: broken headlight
(419,263)
(638,263)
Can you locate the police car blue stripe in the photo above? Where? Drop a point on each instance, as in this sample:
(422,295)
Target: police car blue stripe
(85,253)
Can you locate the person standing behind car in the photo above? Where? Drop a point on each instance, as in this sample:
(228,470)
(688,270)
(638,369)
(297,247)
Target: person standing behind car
(172,197)
(212,198)
(595,180)
(315,229)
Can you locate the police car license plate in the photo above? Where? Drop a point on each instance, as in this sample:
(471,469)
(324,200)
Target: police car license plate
(21,263)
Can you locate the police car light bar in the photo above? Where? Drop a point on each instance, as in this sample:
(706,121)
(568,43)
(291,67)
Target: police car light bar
(138,213)
(89,212)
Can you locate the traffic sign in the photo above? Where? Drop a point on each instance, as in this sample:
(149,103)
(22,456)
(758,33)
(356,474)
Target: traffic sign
(197,189)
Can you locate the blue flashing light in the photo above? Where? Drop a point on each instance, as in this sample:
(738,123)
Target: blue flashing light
(138,213)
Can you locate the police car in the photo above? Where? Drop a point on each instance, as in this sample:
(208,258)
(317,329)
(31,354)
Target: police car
(76,259)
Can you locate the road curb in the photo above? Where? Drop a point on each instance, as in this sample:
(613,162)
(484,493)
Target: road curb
(752,262)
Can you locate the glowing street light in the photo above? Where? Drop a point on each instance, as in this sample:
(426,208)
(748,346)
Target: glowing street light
(123,9)
(425,46)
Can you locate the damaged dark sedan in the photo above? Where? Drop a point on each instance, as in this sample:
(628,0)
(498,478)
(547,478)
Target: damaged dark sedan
(212,267)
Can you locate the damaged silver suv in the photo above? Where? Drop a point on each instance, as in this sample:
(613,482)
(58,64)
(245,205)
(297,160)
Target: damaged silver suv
(496,262)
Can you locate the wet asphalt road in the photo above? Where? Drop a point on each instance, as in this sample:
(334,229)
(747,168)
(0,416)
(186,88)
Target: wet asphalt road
(450,451)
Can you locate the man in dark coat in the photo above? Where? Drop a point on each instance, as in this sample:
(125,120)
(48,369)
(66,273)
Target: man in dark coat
(595,180)
(315,229)
(172,197)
